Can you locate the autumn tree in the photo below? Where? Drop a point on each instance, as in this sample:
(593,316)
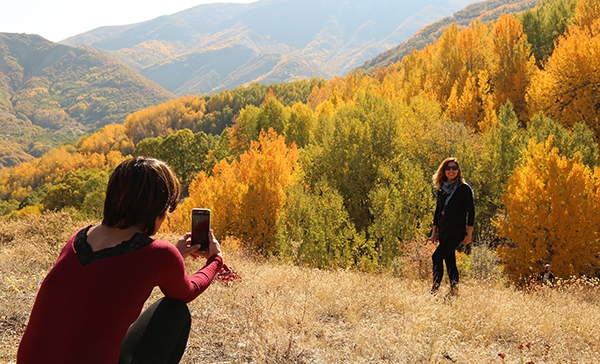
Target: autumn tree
(252,120)
(315,230)
(166,118)
(544,24)
(500,155)
(402,209)
(81,190)
(223,192)
(183,151)
(428,137)
(245,196)
(569,141)
(548,216)
(511,64)
(566,89)
(17,182)
(587,14)
(111,137)
(340,91)
(35,197)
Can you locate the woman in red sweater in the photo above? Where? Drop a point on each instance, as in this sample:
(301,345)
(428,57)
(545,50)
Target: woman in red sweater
(88,307)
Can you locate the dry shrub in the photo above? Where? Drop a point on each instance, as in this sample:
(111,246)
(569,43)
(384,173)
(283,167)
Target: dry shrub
(414,261)
(288,314)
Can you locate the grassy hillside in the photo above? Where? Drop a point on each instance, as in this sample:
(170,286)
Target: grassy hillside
(51,93)
(285,314)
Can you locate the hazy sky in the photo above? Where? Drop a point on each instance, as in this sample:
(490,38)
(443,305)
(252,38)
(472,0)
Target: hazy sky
(56,20)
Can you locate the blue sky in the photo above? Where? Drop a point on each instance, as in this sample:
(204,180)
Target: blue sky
(56,20)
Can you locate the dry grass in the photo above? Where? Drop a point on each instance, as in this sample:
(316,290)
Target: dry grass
(287,314)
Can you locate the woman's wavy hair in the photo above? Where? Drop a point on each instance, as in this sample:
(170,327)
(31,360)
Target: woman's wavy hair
(440,176)
(140,190)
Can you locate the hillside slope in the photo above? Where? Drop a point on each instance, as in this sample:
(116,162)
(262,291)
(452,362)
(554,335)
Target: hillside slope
(50,93)
(289,314)
(214,47)
(485,11)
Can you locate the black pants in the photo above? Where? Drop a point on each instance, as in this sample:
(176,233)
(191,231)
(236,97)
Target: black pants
(446,252)
(159,335)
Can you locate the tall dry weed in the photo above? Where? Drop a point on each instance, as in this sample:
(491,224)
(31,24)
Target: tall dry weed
(288,314)
(28,248)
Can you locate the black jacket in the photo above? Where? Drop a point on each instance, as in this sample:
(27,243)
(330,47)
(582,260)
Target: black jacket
(459,213)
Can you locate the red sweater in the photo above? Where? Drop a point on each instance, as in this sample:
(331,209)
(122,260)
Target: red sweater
(82,311)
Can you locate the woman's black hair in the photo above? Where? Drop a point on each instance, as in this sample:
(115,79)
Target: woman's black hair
(140,190)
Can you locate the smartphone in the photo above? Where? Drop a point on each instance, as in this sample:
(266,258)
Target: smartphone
(200,228)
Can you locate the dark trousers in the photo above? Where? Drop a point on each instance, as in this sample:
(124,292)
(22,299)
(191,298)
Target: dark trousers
(159,335)
(446,252)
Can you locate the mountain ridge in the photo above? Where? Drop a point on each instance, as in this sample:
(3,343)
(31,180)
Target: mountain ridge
(332,37)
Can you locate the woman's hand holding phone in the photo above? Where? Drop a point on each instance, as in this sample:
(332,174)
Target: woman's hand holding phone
(214,248)
(185,247)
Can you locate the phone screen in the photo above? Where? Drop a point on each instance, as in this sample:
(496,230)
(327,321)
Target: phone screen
(200,228)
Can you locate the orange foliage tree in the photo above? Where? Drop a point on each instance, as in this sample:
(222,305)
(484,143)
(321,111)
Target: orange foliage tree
(245,196)
(550,216)
(511,64)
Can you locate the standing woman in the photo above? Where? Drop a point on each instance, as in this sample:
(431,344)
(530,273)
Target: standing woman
(452,222)
(88,307)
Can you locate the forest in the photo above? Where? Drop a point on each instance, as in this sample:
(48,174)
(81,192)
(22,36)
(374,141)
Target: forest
(338,173)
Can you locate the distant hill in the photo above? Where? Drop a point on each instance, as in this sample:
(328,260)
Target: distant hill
(485,11)
(50,93)
(214,47)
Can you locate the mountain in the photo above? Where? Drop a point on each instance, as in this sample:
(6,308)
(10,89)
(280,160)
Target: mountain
(214,47)
(51,93)
(485,11)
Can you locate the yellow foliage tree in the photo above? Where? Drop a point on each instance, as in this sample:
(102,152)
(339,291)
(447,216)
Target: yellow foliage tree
(464,105)
(166,118)
(52,166)
(550,216)
(511,64)
(567,89)
(470,72)
(465,101)
(245,196)
(112,137)
(340,91)
(587,12)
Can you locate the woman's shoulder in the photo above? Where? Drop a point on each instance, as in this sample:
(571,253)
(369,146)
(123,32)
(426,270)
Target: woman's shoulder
(465,189)
(465,186)
(164,247)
